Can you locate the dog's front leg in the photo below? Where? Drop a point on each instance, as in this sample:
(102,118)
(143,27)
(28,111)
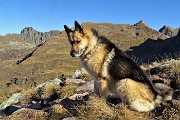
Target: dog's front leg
(101,87)
(96,88)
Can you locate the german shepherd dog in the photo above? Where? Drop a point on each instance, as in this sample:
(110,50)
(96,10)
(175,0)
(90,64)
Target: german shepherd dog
(112,70)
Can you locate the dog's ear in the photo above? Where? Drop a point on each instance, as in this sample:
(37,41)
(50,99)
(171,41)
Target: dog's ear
(67,29)
(78,27)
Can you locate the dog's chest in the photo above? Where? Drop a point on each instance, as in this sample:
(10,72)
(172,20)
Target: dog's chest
(93,63)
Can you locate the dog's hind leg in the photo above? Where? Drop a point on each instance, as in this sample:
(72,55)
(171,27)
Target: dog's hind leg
(136,95)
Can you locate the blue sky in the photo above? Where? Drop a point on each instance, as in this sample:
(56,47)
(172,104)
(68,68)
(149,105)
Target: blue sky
(46,15)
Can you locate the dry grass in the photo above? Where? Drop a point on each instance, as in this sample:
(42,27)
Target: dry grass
(49,90)
(166,113)
(28,114)
(175,65)
(68,90)
(57,112)
(98,109)
(41,93)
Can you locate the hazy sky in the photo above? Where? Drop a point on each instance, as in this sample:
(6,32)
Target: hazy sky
(46,15)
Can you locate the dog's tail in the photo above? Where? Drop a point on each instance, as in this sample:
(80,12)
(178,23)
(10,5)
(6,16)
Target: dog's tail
(165,93)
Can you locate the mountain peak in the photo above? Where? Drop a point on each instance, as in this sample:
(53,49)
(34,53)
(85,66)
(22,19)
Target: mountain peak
(165,27)
(141,23)
(27,29)
(37,37)
(168,31)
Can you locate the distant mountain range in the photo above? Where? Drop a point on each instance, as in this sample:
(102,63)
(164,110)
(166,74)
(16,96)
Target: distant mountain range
(127,37)
(32,36)
(17,45)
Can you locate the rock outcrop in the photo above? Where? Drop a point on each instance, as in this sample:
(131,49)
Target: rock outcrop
(169,31)
(141,24)
(35,37)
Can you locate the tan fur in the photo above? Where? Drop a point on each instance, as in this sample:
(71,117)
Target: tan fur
(93,64)
(95,58)
(103,86)
(136,94)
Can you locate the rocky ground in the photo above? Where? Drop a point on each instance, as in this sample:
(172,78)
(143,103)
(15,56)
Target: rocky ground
(73,99)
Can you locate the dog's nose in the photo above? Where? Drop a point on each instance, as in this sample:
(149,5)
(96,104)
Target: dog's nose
(72,54)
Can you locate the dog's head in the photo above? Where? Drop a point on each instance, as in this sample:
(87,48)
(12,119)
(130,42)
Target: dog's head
(78,39)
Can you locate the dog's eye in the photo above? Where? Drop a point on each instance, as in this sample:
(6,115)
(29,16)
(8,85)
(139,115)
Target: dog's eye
(76,42)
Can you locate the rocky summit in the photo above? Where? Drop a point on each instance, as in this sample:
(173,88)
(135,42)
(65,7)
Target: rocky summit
(167,30)
(36,37)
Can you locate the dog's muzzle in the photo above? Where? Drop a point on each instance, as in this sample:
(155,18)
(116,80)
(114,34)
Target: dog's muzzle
(74,54)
